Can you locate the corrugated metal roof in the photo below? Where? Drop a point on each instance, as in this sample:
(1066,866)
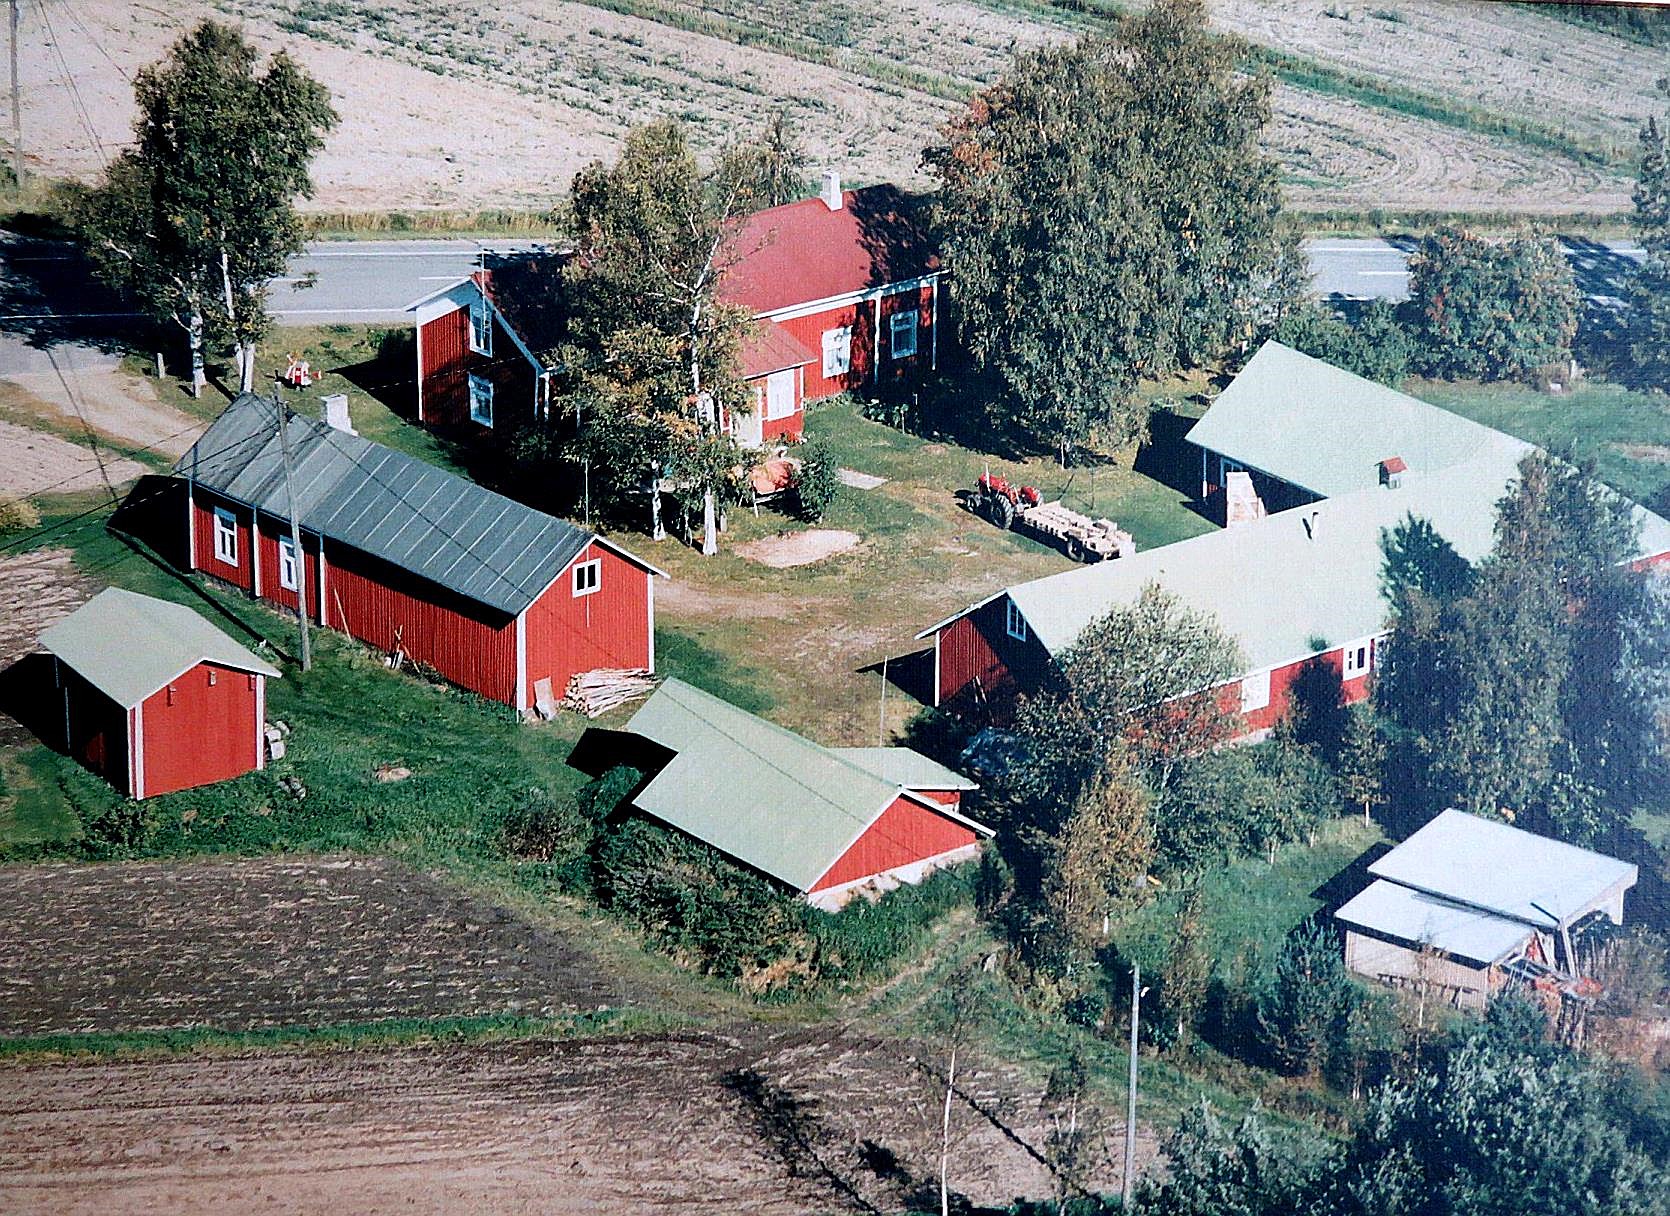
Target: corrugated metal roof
(1504,869)
(1418,919)
(906,767)
(768,797)
(449,530)
(767,347)
(129,645)
(1272,413)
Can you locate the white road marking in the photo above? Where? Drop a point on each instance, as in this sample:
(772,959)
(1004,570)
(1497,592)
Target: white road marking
(1384,272)
(334,312)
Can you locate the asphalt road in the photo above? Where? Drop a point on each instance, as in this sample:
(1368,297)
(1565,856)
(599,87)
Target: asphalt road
(374,281)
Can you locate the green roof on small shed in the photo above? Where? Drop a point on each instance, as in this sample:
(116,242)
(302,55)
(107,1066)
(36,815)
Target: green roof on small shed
(129,645)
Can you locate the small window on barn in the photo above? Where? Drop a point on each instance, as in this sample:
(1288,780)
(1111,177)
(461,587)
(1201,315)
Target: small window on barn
(481,328)
(171,690)
(903,326)
(1016,622)
(481,400)
(212,680)
(287,563)
(226,537)
(837,351)
(1359,659)
(1255,691)
(588,577)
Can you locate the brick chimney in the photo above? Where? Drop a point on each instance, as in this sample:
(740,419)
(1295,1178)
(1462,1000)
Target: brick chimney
(831,193)
(1242,505)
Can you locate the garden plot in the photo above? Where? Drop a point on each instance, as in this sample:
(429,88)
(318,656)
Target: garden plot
(746,1122)
(245,944)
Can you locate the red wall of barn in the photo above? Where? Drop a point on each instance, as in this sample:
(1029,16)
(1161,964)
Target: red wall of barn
(608,628)
(98,730)
(861,316)
(387,607)
(203,550)
(271,529)
(906,832)
(194,732)
(446,362)
(1281,684)
(978,646)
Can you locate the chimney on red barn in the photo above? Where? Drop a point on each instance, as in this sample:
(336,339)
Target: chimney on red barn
(1392,470)
(831,193)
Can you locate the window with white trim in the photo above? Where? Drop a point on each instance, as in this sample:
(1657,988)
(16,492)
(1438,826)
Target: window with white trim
(588,577)
(779,395)
(226,536)
(1015,621)
(903,333)
(1255,691)
(837,351)
(481,400)
(481,327)
(1359,658)
(287,564)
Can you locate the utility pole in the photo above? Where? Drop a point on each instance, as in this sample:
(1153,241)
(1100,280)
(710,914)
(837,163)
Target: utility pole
(283,412)
(1128,1182)
(881,717)
(17,112)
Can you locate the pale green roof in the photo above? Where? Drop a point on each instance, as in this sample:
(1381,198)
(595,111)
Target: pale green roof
(768,797)
(1321,427)
(128,645)
(906,767)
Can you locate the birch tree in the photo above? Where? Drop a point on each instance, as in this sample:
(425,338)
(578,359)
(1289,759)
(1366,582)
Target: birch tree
(196,218)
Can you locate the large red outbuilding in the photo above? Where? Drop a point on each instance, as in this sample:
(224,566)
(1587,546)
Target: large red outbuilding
(496,597)
(155,698)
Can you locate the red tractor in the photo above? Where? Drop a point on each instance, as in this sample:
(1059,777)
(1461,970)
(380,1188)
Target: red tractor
(1023,509)
(998,501)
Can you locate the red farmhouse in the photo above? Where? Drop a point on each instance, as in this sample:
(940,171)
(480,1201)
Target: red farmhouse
(844,290)
(1334,462)
(830,823)
(497,597)
(155,698)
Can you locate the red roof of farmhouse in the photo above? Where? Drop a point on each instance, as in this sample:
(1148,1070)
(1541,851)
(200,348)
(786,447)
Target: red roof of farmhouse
(766,348)
(802,252)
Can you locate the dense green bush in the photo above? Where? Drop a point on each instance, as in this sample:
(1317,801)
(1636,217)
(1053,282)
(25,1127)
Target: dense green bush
(1244,800)
(1373,342)
(863,939)
(817,484)
(1304,1004)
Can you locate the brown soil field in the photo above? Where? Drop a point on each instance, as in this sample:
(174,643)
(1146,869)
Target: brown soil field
(241,944)
(502,109)
(33,462)
(40,588)
(747,1122)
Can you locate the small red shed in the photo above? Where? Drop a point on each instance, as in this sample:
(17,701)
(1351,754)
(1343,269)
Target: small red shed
(156,699)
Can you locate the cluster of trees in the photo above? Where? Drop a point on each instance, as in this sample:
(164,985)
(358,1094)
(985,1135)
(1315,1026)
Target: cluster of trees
(1529,686)
(1110,216)
(1502,1122)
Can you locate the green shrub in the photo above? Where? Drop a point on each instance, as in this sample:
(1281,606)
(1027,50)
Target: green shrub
(817,484)
(864,939)
(17,514)
(1242,801)
(553,831)
(1303,1004)
(1373,342)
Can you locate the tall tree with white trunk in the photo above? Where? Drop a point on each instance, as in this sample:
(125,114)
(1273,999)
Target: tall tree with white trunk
(195,219)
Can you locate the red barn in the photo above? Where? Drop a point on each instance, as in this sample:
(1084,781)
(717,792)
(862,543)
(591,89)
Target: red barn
(830,823)
(155,698)
(497,597)
(844,290)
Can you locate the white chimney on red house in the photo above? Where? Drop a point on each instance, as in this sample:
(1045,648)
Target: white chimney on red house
(831,194)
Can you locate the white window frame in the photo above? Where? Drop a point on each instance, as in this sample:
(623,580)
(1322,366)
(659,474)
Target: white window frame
(837,351)
(788,402)
(481,328)
(481,391)
(903,325)
(226,536)
(588,577)
(287,564)
(1350,670)
(1014,621)
(1255,691)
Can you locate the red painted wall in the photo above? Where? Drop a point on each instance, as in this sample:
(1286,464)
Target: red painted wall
(979,646)
(608,628)
(203,552)
(98,730)
(906,832)
(446,362)
(950,798)
(1281,683)
(380,604)
(201,728)
(861,316)
(271,529)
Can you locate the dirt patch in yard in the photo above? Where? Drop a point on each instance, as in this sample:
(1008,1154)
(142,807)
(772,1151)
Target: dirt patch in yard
(1647,453)
(34,462)
(746,1122)
(257,943)
(799,548)
(37,589)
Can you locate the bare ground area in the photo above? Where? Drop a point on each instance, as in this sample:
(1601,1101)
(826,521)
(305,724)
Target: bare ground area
(37,589)
(798,548)
(747,1122)
(558,82)
(242,944)
(34,462)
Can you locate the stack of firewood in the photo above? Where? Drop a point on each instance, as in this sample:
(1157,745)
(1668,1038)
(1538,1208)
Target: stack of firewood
(597,692)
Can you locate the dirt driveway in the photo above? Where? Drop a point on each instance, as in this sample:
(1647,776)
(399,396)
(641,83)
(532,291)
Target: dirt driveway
(795,1122)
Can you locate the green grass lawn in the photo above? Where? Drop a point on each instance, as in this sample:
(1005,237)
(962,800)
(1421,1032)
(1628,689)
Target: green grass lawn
(1626,433)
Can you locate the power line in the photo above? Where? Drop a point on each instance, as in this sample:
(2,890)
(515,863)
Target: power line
(77,103)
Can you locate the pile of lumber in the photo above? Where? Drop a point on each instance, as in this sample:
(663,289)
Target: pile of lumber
(598,691)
